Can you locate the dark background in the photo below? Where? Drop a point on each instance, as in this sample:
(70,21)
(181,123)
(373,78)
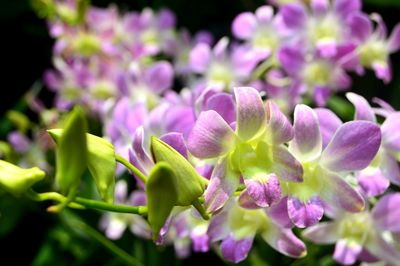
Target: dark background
(25,48)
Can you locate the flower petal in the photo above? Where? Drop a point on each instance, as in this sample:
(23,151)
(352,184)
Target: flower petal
(320,7)
(394,39)
(307,142)
(159,76)
(279,130)
(360,26)
(284,241)
(236,250)
(363,109)
(382,71)
(305,214)
(176,141)
(346,7)
(372,182)
(390,168)
(179,119)
(211,136)
(223,104)
(223,184)
(250,113)
(391,133)
(280,161)
(353,147)
(322,233)
(386,213)
(347,252)
(244,25)
(279,214)
(383,250)
(264,14)
(339,193)
(264,190)
(292,60)
(294,15)
(200,57)
(328,123)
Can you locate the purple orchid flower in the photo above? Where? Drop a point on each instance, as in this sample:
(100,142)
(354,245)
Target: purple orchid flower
(365,236)
(254,150)
(236,228)
(374,47)
(352,147)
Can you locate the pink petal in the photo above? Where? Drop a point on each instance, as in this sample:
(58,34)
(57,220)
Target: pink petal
(363,109)
(244,25)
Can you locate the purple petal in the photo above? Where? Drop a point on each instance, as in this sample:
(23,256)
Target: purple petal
(363,109)
(372,182)
(244,25)
(292,60)
(391,133)
(200,242)
(179,119)
(294,15)
(236,250)
(282,162)
(211,136)
(390,168)
(279,214)
(246,201)
(223,184)
(264,191)
(319,7)
(345,8)
(159,77)
(353,146)
(322,233)
(328,123)
(284,241)
(346,252)
(176,141)
(305,214)
(19,142)
(279,130)
(223,104)
(138,146)
(383,250)
(307,142)
(264,14)
(383,71)
(360,26)
(327,48)
(394,40)
(339,193)
(386,213)
(166,19)
(199,57)
(218,228)
(250,113)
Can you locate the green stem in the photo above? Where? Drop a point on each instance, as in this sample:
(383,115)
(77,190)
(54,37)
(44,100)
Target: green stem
(83,203)
(264,66)
(200,209)
(120,253)
(131,167)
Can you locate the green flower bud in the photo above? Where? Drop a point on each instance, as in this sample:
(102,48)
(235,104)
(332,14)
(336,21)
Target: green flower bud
(188,182)
(101,163)
(71,160)
(17,180)
(161,195)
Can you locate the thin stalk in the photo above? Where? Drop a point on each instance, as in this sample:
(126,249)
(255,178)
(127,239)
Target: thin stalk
(110,246)
(131,167)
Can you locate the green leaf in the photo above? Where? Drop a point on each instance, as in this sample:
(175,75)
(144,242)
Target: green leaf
(17,180)
(101,163)
(161,195)
(188,182)
(20,120)
(71,161)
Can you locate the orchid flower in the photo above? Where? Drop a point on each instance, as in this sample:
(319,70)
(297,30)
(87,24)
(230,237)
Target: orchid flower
(254,150)
(365,236)
(352,147)
(236,227)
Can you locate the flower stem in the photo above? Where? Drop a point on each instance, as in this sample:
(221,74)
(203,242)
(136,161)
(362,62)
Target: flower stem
(83,203)
(131,167)
(120,253)
(200,209)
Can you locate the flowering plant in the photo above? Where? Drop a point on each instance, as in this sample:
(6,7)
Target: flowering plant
(210,144)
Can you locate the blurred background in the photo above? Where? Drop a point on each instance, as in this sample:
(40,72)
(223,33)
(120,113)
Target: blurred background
(45,239)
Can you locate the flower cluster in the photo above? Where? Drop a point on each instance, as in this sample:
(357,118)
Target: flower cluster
(227,152)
